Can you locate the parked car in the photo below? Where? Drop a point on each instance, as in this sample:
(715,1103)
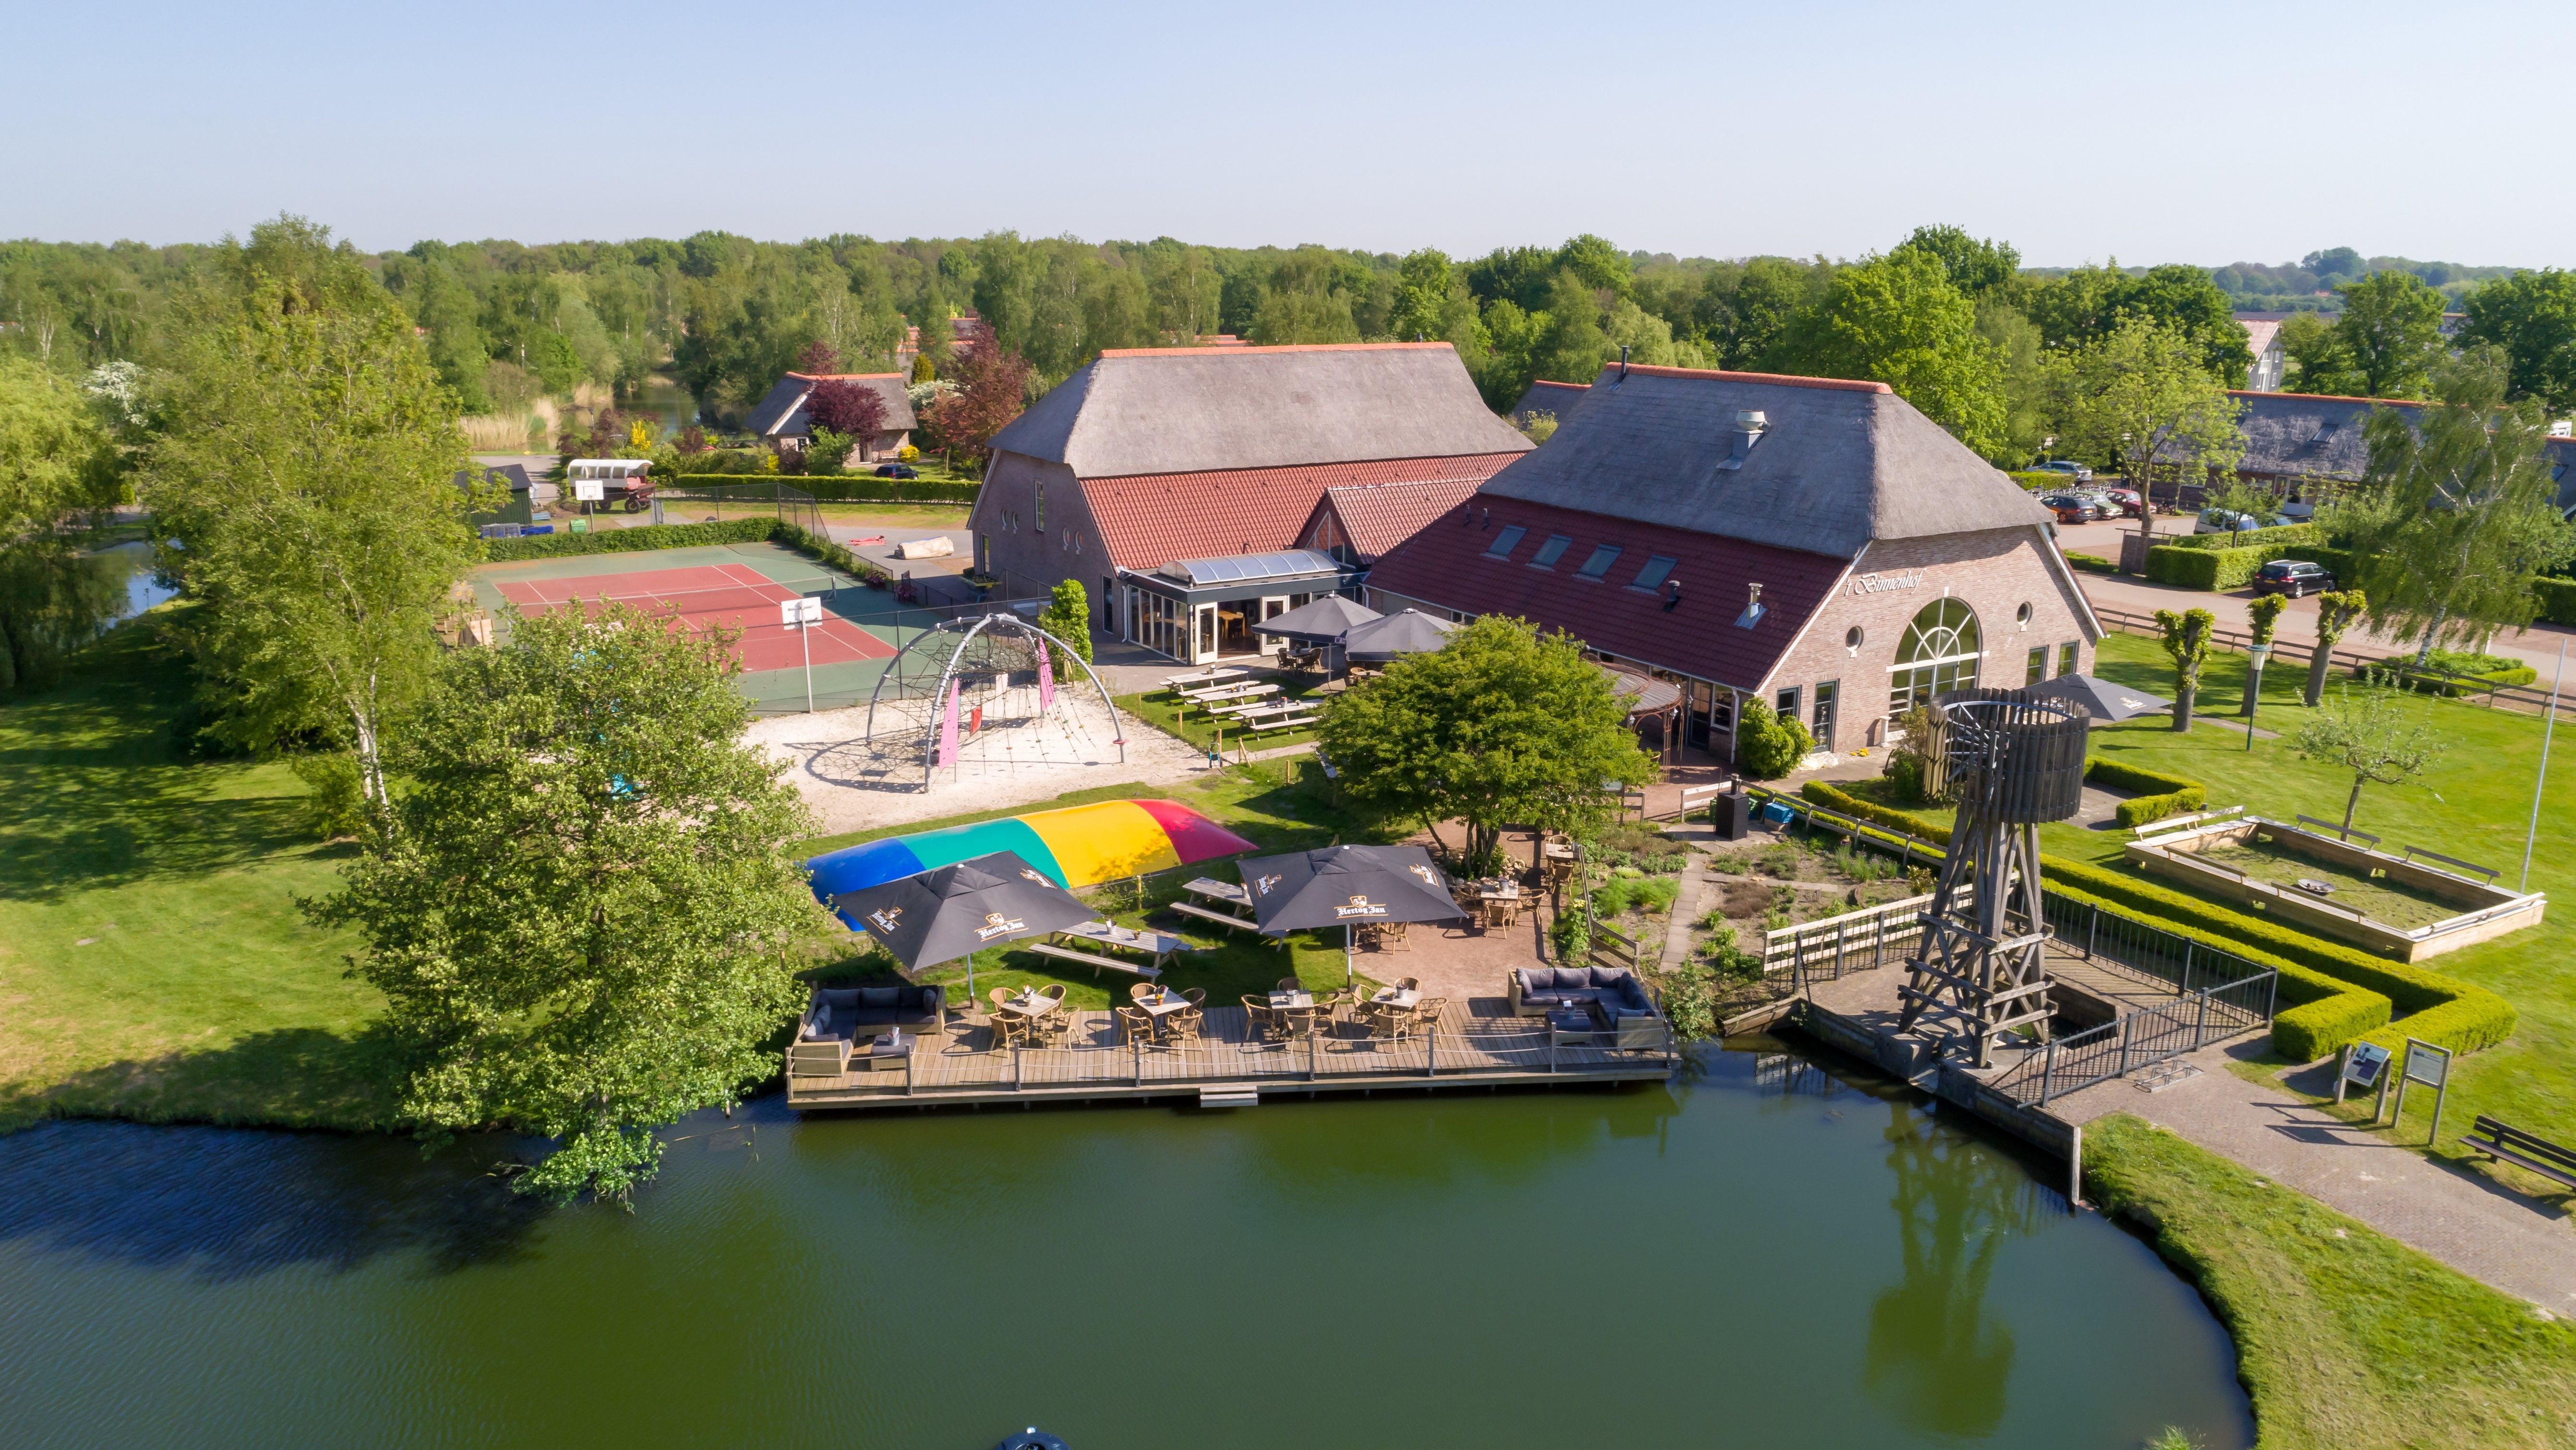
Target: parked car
(2123,501)
(2294,577)
(2067,466)
(2072,508)
(897,470)
(2227,521)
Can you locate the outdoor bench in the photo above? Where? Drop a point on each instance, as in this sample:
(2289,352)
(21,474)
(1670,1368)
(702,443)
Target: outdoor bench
(1093,960)
(2522,1149)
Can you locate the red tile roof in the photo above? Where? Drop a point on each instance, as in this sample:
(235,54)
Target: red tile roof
(1150,519)
(1446,565)
(1376,517)
(1284,347)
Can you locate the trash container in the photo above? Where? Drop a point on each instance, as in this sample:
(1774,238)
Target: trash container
(1732,816)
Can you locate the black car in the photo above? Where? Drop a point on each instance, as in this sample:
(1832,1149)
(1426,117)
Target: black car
(897,470)
(2293,577)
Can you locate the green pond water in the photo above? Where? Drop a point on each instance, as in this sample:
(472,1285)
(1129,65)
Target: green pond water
(1761,1254)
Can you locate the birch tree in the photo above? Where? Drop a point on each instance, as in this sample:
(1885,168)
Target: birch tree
(2457,512)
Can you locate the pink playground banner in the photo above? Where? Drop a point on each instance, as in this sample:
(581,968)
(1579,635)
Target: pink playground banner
(948,726)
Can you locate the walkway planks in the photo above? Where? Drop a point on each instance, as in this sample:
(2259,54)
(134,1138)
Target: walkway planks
(1478,1043)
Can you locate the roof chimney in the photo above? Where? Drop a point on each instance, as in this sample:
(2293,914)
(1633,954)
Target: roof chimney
(1623,365)
(1750,425)
(1753,610)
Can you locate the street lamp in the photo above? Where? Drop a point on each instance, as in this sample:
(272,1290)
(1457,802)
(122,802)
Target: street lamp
(2255,655)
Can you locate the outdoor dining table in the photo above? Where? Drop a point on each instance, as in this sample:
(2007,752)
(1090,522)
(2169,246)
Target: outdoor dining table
(1154,944)
(1161,1001)
(1292,1001)
(1031,1004)
(1395,997)
(1201,677)
(1231,893)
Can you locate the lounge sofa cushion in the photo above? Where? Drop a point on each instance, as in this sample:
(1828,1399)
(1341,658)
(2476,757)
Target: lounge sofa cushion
(878,996)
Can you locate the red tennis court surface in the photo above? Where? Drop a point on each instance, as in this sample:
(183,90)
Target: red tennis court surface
(734,595)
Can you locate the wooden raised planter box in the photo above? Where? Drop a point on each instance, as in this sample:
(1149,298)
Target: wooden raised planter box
(2485,911)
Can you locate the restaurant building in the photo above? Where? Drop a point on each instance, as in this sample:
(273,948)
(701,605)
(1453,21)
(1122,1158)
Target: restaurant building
(1816,544)
(1198,491)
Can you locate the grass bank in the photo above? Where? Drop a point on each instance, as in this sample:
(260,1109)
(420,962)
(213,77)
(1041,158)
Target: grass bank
(153,964)
(2343,1336)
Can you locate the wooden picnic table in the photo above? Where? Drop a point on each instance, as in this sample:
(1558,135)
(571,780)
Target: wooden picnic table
(1264,709)
(1232,893)
(1158,946)
(1173,682)
(1222,694)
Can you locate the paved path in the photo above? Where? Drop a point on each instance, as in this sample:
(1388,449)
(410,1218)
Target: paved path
(2519,1245)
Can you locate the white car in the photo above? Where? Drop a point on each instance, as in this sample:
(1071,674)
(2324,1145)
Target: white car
(2067,466)
(2227,521)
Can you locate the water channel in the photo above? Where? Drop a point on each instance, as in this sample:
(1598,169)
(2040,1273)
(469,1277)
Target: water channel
(1762,1254)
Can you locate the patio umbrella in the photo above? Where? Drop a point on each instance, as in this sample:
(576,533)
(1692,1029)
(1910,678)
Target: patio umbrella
(1344,886)
(2109,703)
(1406,632)
(939,916)
(1321,622)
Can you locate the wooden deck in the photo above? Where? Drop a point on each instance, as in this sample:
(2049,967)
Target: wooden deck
(1478,1044)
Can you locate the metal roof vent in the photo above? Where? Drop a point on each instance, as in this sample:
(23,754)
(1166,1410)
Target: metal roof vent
(1750,425)
(1753,610)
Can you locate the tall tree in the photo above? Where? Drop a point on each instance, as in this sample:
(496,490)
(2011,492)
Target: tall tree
(57,464)
(2141,396)
(1975,265)
(991,389)
(1501,725)
(581,927)
(2391,334)
(1896,319)
(2457,510)
(304,477)
(2532,317)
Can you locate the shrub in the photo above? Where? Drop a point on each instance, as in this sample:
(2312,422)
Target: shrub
(2276,539)
(2485,669)
(847,488)
(335,804)
(2167,795)
(1689,1004)
(2557,598)
(1833,798)
(1769,745)
(2092,563)
(1571,936)
(1655,894)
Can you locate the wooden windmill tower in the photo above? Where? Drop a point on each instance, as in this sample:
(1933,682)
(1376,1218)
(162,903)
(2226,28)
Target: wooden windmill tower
(1982,969)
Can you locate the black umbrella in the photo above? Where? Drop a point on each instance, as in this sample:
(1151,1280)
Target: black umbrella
(1406,632)
(2107,702)
(941,915)
(1346,885)
(1321,622)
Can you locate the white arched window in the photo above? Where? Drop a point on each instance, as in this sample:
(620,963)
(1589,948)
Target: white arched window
(1938,654)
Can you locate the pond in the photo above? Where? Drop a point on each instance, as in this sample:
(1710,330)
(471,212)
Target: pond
(127,570)
(1763,1253)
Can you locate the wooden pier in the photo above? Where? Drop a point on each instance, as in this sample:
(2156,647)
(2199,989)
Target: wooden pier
(1478,1043)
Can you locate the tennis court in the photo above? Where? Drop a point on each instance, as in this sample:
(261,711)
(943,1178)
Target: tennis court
(738,586)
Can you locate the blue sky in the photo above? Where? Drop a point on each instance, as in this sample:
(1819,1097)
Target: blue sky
(2166,132)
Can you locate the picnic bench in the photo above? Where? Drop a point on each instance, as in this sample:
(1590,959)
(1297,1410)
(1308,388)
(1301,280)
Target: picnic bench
(1093,960)
(1202,677)
(1268,723)
(1216,695)
(1224,919)
(2523,1150)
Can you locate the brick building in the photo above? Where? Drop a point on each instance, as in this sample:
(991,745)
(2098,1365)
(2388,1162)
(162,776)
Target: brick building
(1813,543)
(1182,485)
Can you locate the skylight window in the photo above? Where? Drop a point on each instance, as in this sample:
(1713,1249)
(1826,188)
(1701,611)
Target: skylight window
(1653,575)
(1504,542)
(1551,551)
(1600,562)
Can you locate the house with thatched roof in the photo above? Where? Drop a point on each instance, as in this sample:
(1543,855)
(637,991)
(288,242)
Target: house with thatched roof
(780,418)
(1178,484)
(1815,544)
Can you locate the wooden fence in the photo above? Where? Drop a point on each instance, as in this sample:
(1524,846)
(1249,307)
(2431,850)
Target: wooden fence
(2529,698)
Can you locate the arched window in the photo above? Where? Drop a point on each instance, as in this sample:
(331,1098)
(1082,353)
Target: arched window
(1938,654)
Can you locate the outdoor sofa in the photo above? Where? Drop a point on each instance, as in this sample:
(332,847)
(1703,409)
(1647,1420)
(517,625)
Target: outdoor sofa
(1537,991)
(841,1020)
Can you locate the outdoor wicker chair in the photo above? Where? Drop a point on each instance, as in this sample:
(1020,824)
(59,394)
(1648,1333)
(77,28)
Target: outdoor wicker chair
(1181,1026)
(1266,1020)
(1141,991)
(1010,1029)
(1135,1024)
(1408,984)
(1426,1013)
(1289,984)
(1196,996)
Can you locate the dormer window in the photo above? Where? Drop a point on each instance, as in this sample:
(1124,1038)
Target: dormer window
(1600,562)
(1504,542)
(1551,551)
(1653,575)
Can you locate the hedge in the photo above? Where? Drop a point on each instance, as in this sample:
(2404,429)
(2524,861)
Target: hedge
(627,541)
(2216,570)
(2514,673)
(2316,974)
(2337,561)
(2160,795)
(2273,538)
(824,551)
(886,490)
(2094,563)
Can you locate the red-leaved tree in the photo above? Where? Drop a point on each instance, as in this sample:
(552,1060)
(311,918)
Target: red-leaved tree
(818,356)
(991,382)
(851,409)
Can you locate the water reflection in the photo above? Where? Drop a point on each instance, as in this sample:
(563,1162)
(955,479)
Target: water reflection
(53,599)
(226,1204)
(1933,1354)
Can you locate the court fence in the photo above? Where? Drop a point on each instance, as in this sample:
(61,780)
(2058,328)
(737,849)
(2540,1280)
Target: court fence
(691,503)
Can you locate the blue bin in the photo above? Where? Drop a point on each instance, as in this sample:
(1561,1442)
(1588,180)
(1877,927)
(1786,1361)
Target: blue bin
(1776,813)
(538,529)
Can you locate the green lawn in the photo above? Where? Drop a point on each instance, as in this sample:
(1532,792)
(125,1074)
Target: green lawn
(2343,1337)
(1164,710)
(2473,804)
(152,962)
